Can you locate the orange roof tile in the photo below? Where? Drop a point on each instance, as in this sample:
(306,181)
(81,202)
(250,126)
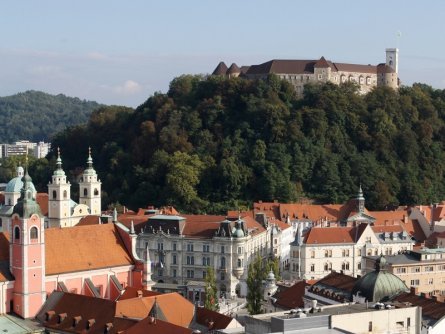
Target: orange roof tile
(329,235)
(42,199)
(89,220)
(292,297)
(211,319)
(149,326)
(83,248)
(131,292)
(174,307)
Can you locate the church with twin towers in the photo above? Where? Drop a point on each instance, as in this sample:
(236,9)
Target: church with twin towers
(61,211)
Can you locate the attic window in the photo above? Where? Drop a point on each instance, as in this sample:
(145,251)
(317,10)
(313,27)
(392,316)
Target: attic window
(62,316)
(90,323)
(76,320)
(49,315)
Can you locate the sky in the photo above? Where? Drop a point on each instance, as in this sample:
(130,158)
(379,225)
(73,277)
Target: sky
(121,52)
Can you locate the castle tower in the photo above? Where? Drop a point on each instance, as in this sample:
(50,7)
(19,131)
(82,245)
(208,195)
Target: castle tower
(392,59)
(90,190)
(59,195)
(27,253)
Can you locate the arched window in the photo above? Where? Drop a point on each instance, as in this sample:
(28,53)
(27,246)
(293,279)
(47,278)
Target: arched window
(17,233)
(85,191)
(65,194)
(54,194)
(34,233)
(96,192)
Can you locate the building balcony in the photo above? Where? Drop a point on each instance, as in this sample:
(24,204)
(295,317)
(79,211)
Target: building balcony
(238,272)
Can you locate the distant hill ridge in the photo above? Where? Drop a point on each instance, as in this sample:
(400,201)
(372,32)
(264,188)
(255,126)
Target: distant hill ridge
(37,116)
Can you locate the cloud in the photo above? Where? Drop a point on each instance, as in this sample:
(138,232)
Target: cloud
(129,87)
(44,69)
(95,55)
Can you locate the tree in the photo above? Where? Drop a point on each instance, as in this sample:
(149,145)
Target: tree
(255,277)
(274,265)
(211,297)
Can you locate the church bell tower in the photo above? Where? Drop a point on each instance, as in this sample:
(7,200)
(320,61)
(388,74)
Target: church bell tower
(90,188)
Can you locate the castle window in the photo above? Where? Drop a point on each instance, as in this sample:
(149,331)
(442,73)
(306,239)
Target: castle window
(320,76)
(85,192)
(54,194)
(343,78)
(362,80)
(368,80)
(34,233)
(65,194)
(16,233)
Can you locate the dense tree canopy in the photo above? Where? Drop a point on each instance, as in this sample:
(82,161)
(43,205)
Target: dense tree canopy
(37,116)
(215,143)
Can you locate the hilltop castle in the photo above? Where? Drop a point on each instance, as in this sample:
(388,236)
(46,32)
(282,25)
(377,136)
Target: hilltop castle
(301,72)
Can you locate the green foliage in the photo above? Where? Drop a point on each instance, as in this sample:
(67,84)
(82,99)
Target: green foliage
(37,116)
(274,265)
(255,275)
(211,144)
(211,291)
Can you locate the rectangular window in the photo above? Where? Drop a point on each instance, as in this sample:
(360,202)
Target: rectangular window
(174,272)
(240,250)
(206,248)
(190,274)
(174,259)
(312,267)
(160,246)
(204,274)
(370,326)
(415,270)
(429,268)
(189,247)
(222,249)
(401,270)
(430,281)
(174,246)
(415,282)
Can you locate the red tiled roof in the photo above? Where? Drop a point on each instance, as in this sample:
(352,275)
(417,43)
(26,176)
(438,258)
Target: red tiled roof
(291,297)
(372,69)
(321,63)
(43,200)
(430,308)
(131,292)
(174,307)
(334,235)
(82,248)
(281,66)
(211,319)
(338,280)
(221,69)
(150,326)
(89,220)
(98,311)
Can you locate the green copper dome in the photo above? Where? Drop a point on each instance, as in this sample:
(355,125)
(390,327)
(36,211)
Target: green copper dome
(16,184)
(27,205)
(379,285)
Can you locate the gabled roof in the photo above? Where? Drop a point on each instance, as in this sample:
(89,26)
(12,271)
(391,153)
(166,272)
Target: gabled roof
(83,248)
(334,235)
(175,308)
(83,310)
(338,281)
(430,307)
(291,297)
(131,292)
(212,320)
(281,66)
(321,63)
(150,325)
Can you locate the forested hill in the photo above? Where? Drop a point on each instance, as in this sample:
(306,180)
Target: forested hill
(214,143)
(37,116)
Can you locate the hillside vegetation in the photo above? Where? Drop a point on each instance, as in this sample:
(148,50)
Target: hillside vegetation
(213,143)
(36,116)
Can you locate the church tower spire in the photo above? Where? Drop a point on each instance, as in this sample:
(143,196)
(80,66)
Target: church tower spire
(27,252)
(90,188)
(59,195)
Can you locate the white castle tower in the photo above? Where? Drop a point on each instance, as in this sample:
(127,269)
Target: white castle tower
(59,197)
(90,188)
